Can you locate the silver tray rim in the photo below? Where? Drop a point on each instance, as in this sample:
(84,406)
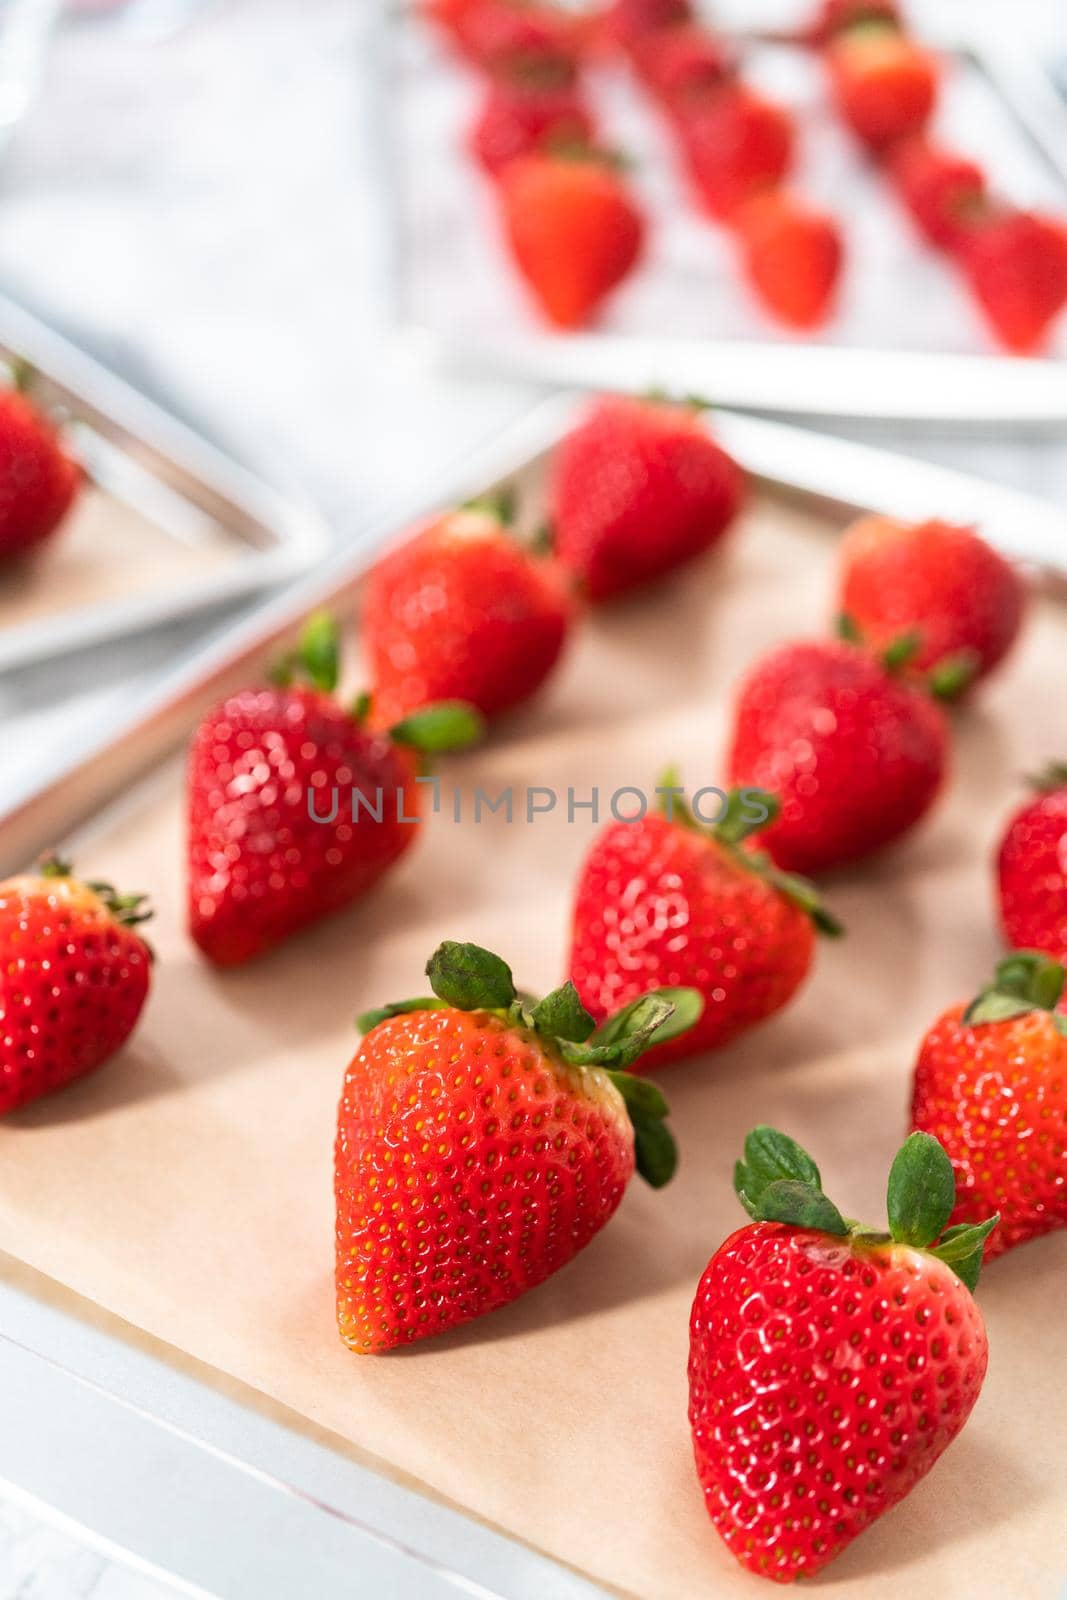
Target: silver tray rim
(283,537)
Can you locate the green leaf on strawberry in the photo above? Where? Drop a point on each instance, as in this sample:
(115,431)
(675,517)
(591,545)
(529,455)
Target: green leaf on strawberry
(1024,981)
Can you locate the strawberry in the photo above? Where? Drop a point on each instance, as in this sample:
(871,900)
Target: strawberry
(574,230)
(38,481)
(461,611)
(73,978)
(518,119)
(502,1135)
(884,84)
(735,143)
(945,193)
(295,807)
(1016,265)
(1032,869)
(630,23)
(959,598)
(681,66)
(638,488)
(991,1084)
(854,754)
(792,255)
(664,902)
(830,1366)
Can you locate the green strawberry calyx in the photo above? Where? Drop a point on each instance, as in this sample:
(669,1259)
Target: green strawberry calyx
(747,811)
(1052,776)
(779,1182)
(946,680)
(465,977)
(1023,982)
(316,663)
(129,909)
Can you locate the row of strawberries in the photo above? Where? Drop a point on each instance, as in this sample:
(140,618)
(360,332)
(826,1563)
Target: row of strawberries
(574,226)
(460,1187)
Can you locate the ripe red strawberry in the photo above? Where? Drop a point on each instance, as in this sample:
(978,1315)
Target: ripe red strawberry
(295,807)
(73,978)
(884,84)
(991,1084)
(665,902)
(638,488)
(519,119)
(1016,264)
(958,597)
(681,66)
(461,611)
(945,193)
(735,144)
(482,1141)
(854,754)
(38,481)
(792,255)
(574,230)
(630,23)
(829,1366)
(1032,869)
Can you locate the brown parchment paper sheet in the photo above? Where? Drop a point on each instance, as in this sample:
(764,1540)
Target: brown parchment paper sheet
(187,1187)
(106,550)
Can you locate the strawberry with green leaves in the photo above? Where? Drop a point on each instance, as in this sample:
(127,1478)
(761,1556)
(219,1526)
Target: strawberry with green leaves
(855,753)
(991,1084)
(483,1139)
(461,610)
(830,1364)
(574,230)
(938,583)
(1032,869)
(74,976)
(668,902)
(295,806)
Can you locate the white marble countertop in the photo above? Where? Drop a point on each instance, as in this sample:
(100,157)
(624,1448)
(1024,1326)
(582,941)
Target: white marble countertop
(199,211)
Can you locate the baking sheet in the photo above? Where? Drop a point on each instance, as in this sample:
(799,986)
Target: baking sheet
(187,1188)
(686,314)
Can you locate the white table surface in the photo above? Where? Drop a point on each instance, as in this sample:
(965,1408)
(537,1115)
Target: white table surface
(197,209)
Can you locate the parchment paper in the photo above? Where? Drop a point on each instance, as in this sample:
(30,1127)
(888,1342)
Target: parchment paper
(105,551)
(187,1186)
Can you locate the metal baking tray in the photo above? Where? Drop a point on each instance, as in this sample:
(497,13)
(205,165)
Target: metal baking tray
(907,343)
(167,525)
(244,1499)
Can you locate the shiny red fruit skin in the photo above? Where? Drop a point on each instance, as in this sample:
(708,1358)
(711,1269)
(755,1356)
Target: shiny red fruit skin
(838,15)
(1032,876)
(519,121)
(629,23)
(735,144)
(825,1380)
(661,905)
(73,981)
(638,488)
(884,85)
(792,256)
(995,1095)
(462,612)
(471,1163)
(944,193)
(854,755)
(259,867)
(680,66)
(38,483)
(574,231)
(1016,264)
(936,578)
